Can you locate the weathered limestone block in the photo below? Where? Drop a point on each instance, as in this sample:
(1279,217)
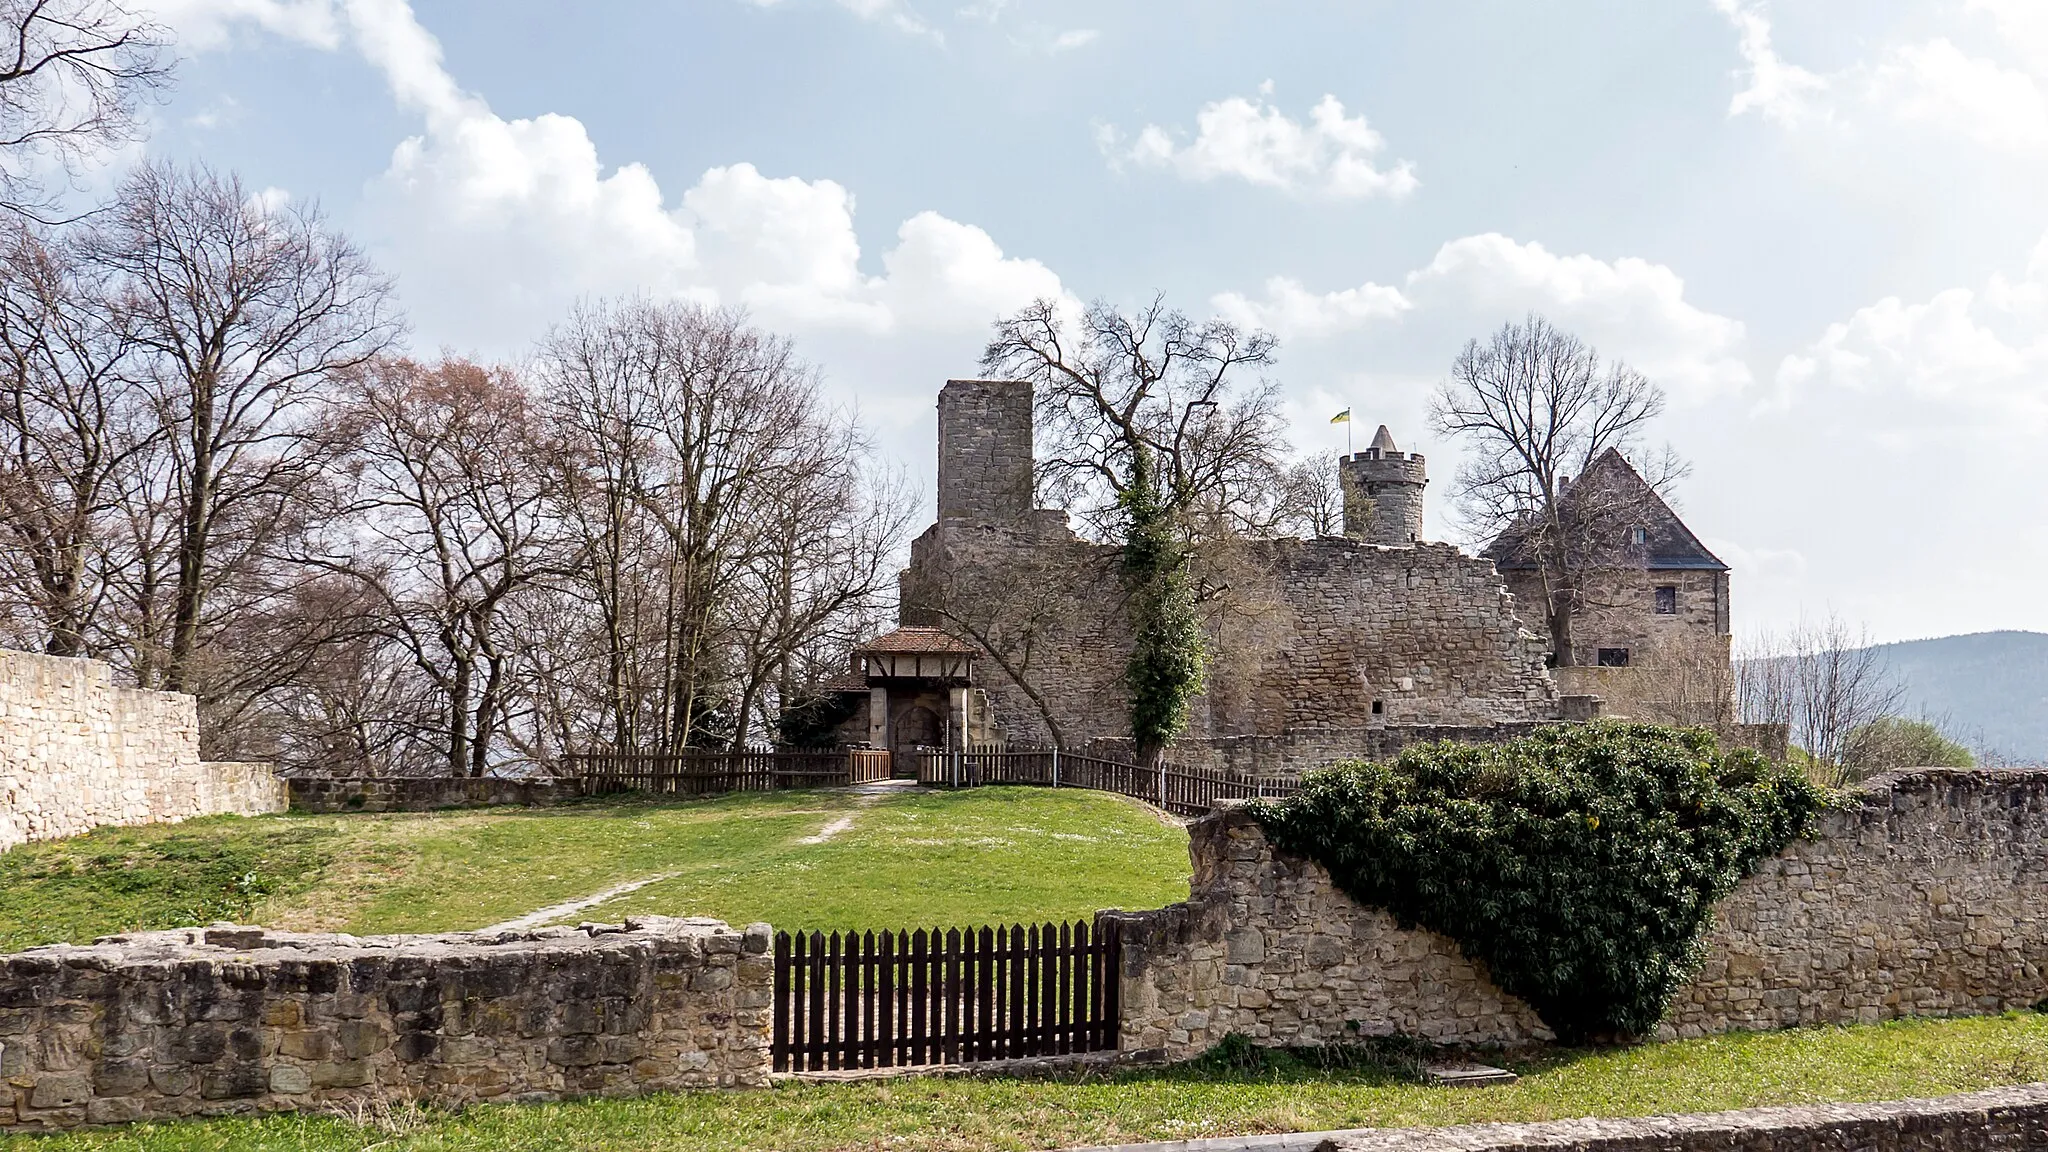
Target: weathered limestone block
(235,1020)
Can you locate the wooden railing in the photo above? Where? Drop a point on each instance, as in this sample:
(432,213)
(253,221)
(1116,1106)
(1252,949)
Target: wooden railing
(904,998)
(696,772)
(1178,788)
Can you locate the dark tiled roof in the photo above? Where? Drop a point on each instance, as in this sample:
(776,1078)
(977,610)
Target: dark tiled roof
(919,640)
(1670,544)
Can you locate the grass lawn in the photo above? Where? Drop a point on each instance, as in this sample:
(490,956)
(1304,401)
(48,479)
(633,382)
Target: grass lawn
(1881,1062)
(917,858)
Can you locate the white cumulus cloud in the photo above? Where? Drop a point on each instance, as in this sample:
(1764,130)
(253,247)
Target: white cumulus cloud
(1939,85)
(1781,92)
(1630,308)
(1332,155)
(496,225)
(1933,84)
(1963,357)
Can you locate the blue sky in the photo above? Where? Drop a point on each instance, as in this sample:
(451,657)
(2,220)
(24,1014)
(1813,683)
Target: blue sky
(1818,224)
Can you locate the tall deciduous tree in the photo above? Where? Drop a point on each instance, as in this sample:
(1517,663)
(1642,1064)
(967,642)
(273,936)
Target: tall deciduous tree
(242,310)
(732,522)
(1536,408)
(74,429)
(446,521)
(1149,431)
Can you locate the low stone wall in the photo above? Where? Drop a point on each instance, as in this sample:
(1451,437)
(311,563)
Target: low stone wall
(1926,894)
(78,751)
(426,793)
(2001,1118)
(233,1020)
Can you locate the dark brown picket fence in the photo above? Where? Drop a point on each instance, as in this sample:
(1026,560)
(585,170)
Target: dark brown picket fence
(703,773)
(1177,788)
(908,998)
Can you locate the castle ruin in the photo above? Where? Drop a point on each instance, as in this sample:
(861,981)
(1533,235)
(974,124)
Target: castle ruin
(1013,629)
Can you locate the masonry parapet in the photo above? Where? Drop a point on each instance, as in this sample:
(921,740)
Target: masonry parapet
(236,1020)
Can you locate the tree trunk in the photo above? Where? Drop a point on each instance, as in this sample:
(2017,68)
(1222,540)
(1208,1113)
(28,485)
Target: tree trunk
(1560,620)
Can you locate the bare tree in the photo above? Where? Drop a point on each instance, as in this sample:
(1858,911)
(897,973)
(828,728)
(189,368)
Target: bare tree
(1825,682)
(243,311)
(73,74)
(1537,408)
(1148,432)
(1312,496)
(74,429)
(1113,386)
(446,523)
(731,520)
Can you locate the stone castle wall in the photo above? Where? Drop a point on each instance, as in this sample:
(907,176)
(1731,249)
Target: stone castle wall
(78,751)
(1326,634)
(984,450)
(238,1020)
(1925,895)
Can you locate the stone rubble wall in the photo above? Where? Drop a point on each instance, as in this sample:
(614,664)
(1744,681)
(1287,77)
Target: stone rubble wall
(984,450)
(2000,1118)
(1924,894)
(427,793)
(1325,634)
(231,1020)
(78,751)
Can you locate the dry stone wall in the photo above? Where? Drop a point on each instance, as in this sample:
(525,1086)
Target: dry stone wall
(78,751)
(1925,894)
(232,1020)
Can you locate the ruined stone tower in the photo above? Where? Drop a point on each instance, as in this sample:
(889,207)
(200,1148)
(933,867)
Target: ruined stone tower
(1383,493)
(985,451)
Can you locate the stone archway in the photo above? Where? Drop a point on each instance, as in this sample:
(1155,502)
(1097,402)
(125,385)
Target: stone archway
(918,726)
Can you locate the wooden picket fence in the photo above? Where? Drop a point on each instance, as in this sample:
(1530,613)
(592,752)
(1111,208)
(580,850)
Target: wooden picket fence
(898,999)
(696,772)
(1178,788)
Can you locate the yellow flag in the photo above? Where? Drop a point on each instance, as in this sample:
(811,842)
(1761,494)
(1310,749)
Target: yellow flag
(1343,417)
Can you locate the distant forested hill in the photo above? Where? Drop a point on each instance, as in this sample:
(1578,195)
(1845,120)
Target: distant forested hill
(1988,690)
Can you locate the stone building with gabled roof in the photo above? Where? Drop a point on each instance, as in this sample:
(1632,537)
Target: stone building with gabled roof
(1650,635)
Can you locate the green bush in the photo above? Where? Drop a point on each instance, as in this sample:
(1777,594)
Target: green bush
(1580,864)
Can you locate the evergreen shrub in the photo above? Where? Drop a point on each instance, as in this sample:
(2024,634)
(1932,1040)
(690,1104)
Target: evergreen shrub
(1580,864)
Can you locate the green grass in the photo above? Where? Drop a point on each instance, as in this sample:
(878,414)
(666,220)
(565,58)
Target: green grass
(1882,1062)
(975,857)
(121,879)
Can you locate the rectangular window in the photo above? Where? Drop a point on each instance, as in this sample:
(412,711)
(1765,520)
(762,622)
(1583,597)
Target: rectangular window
(1614,657)
(1667,600)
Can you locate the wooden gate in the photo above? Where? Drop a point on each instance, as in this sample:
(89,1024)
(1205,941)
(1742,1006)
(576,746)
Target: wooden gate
(907,998)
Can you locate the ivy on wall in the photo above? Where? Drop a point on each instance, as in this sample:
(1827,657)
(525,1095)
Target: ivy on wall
(1579,864)
(1168,651)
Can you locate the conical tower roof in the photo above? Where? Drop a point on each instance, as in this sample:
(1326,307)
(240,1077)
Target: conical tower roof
(1382,441)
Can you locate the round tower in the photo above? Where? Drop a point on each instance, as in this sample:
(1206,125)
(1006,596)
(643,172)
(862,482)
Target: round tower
(1383,493)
